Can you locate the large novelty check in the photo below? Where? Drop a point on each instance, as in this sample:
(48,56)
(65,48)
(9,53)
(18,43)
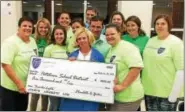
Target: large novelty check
(91,81)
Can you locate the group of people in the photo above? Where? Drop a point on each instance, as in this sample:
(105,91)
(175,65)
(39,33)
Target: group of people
(147,68)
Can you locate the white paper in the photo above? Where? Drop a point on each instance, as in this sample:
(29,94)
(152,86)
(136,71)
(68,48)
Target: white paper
(91,81)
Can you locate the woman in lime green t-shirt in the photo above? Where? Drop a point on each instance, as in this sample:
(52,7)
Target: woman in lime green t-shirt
(42,36)
(135,34)
(163,74)
(57,49)
(15,60)
(128,88)
(64,20)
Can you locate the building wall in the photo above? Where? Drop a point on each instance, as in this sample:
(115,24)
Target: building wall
(9,22)
(142,9)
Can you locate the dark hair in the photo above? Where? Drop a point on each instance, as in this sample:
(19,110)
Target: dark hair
(136,20)
(25,18)
(53,34)
(79,20)
(122,17)
(65,12)
(167,19)
(111,25)
(97,18)
(93,9)
(117,13)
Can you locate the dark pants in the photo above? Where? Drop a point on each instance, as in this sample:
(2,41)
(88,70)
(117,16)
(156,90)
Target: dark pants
(181,106)
(34,101)
(54,103)
(139,109)
(0,99)
(159,104)
(13,100)
(104,107)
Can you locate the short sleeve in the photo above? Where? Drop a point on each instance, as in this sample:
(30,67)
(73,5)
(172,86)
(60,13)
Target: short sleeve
(47,52)
(8,52)
(144,44)
(178,55)
(133,58)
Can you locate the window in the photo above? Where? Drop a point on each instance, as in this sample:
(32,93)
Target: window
(33,9)
(174,8)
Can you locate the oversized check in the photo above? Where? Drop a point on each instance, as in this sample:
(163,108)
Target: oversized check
(91,81)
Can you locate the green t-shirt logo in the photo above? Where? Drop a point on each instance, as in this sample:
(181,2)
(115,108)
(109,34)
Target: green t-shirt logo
(112,58)
(161,50)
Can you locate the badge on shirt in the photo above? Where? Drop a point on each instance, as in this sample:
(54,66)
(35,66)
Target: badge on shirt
(112,58)
(161,50)
(36,62)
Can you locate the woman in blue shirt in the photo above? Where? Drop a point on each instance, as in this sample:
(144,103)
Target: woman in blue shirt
(84,39)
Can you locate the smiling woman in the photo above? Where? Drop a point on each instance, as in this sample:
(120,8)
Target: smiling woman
(24,30)
(42,36)
(128,88)
(57,49)
(15,60)
(84,39)
(118,19)
(163,58)
(135,34)
(64,20)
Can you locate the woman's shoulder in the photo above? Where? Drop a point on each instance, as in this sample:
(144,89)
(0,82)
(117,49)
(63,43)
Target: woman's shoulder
(97,54)
(127,46)
(32,36)
(74,53)
(95,51)
(153,39)
(125,43)
(12,41)
(174,41)
(174,38)
(124,36)
(49,47)
(145,36)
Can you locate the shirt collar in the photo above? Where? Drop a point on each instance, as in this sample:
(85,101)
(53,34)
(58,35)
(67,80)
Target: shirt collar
(101,39)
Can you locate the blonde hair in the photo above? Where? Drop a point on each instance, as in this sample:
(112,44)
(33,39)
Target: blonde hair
(90,36)
(37,35)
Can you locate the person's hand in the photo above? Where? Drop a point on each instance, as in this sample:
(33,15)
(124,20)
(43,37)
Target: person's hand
(115,81)
(21,87)
(118,88)
(172,99)
(72,59)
